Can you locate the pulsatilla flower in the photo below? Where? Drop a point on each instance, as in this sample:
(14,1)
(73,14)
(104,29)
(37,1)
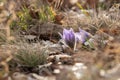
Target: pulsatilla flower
(69,37)
(82,36)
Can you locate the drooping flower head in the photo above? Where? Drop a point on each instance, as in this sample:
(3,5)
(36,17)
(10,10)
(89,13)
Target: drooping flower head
(81,36)
(69,37)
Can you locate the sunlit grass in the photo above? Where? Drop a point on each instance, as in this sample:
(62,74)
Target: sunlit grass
(46,14)
(83,10)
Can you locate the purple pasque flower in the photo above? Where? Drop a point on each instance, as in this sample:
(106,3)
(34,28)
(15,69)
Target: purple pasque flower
(81,36)
(69,37)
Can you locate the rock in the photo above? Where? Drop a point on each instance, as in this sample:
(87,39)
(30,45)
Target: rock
(19,76)
(46,31)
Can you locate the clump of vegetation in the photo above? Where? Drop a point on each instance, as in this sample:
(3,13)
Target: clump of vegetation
(31,57)
(30,15)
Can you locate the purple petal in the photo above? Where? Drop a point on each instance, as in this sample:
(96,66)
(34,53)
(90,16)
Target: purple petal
(83,32)
(69,37)
(78,37)
(82,35)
